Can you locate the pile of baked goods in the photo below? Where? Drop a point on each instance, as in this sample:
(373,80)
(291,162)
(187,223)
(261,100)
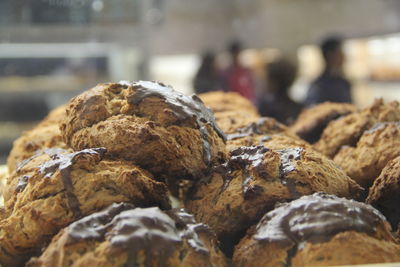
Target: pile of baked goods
(138,174)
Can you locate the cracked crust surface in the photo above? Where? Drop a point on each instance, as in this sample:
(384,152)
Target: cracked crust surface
(346,131)
(374,150)
(254,179)
(312,121)
(51,191)
(122,235)
(318,230)
(147,123)
(385,192)
(45,135)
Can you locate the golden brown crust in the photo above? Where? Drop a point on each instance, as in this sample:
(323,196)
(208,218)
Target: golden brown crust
(265,131)
(374,150)
(153,239)
(230,121)
(155,131)
(312,121)
(45,135)
(274,141)
(318,230)
(253,254)
(385,192)
(50,192)
(348,248)
(220,101)
(347,130)
(251,183)
(54,116)
(231,110)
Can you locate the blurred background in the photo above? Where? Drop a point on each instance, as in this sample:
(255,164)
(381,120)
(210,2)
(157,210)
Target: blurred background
(51,50)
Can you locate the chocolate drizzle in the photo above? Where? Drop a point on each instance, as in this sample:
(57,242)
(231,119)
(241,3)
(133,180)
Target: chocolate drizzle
(64,163)
(49,151)
(158,234)
(286,166)
(260,127)
(287,156)
(183,107)
(242,159)
(23,180)
(189,229)
(316,218)
(249,159)
(94,227)
(22,183)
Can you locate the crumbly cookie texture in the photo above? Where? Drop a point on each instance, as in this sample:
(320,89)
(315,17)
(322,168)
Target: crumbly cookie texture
(230,121)
(385,192)
(147,123)
(264,131)
(312,121)
(45,135)
(346,131)
(53,190)
(122,235)
(318,230)
(255,178)
(220,101)
(373,151)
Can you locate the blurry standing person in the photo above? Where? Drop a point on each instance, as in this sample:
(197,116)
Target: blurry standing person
(331,85)
(237,78)
(207,77)
(274,101)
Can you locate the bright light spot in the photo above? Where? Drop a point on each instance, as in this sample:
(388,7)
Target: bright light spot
(97,5)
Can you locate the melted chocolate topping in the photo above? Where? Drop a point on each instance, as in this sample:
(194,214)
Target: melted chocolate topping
(49,151)
(94,227)
(243,158)
(189,229)
(255,128)
(23,180)
(184,108)
(63,163)
(156,233)
(316,218)
(22,183)
(287,156)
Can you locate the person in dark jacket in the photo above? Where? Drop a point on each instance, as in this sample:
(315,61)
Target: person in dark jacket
(274,100)
(331,85)
(207,77)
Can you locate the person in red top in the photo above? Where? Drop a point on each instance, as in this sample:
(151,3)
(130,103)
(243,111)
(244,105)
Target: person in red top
(237,78)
